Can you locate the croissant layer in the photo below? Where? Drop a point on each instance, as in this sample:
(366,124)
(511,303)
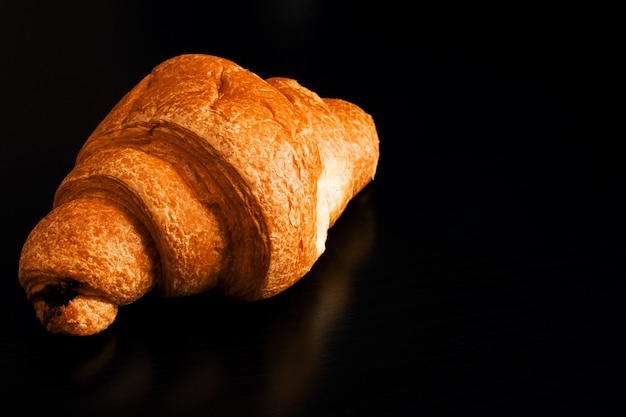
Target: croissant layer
(203,176)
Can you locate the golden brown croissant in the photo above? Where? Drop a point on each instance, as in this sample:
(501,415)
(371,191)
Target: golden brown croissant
(203,176)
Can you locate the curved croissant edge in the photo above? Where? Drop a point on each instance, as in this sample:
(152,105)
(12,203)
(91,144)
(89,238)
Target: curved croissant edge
(160,191)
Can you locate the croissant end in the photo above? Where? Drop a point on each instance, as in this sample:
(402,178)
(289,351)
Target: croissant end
(66,253)
(81,316)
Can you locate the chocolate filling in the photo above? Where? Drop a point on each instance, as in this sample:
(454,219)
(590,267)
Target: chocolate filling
(59,294)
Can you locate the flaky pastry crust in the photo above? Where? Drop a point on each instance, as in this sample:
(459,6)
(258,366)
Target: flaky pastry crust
(203,176)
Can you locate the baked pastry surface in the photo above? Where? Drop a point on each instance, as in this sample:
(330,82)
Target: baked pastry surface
(203,176)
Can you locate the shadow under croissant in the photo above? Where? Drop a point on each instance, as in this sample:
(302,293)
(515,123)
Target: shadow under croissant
(210,353)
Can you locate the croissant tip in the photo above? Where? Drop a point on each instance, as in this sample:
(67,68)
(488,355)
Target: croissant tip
(80,316)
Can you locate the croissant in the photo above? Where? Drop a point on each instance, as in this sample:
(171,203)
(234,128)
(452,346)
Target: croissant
(203,176)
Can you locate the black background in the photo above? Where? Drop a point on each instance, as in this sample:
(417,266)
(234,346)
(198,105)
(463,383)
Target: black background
(481,272)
